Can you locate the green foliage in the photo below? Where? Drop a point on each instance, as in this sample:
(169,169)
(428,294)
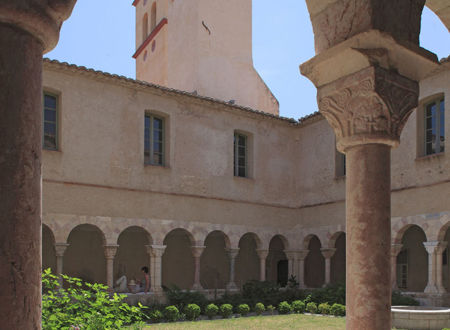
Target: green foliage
(181,299)
(259,308)
(211,310)
(257,291)
(292,282)
(270,309)
(337,310)
(226,310)
(156,316)
(243,309)
(324,308)
(84,305)
(311,307)
(298,306)
(284,308)
(400,300)
(171,313)
(192,312)
(333,293)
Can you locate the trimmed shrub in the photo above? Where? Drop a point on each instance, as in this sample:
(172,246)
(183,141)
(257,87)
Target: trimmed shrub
(259,308)
(171,313)
(324,308)
(337,310)
(311,307)
(226,310)
(400,300)
(181,299)
(270,309)
(156,316)
(243,309)
(298,306)
(192,312)
(284,308)
(211,310)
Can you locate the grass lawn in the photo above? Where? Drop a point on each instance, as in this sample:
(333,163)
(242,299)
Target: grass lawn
(278,322)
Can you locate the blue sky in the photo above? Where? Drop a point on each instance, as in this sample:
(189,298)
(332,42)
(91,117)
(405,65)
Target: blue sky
(100,34)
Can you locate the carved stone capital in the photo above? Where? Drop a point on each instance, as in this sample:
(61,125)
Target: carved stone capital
(262,253)
(232,253)
(110,251)
(156,251)
(302,254)
(328,253)
(370,106)
(40,18)
(60,248)
(197,251)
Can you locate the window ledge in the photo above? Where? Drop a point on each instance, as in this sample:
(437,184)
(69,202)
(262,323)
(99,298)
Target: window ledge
(244,178)
(340,178)
(51,150)
(157,166)
(429,157)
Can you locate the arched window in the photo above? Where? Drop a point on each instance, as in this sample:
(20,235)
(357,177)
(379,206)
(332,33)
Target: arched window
(153,17)
(144,27)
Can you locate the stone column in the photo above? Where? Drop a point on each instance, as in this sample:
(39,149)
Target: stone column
(156,252)
(262,254)
(28,28)
(435,250)
(197,253)
(301,255)
(367,110)
(292,263)
(232,253)
(327,254)
(395,250)
(110,253)
(60,248)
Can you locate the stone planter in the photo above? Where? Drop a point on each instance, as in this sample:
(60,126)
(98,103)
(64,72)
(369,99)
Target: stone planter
(420,317)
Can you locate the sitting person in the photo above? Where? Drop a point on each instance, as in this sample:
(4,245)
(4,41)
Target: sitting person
(141,286)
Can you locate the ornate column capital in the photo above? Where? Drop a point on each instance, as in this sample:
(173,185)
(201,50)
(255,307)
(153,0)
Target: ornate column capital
(396,249)
(156,250)
(232,253)
(435,247)
(369,106)
(197,251)
(42,19)
(110,250)
(328,252)
(302,254)
(290,254)
(60,248)
(262,253)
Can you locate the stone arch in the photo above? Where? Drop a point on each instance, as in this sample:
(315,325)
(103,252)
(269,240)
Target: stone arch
(144,27)
(277,261)
(48,249)
(337,263)
(444,236)
(443,231)
(442,10)
(178,260)
(84,257)
(132,253)
(247,260)
(397,235)
(214,262)
(314,262)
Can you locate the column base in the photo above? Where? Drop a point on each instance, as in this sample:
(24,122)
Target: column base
(431,289)
(232,286)
(197,287)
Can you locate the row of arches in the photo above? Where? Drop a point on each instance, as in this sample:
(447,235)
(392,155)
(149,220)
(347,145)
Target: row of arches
(220,265)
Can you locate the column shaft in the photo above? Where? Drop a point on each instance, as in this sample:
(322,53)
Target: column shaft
(232,254)
(20,179)
(368,237)
(395,250)
(327,271)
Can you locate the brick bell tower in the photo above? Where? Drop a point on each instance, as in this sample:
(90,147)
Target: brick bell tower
(202,46)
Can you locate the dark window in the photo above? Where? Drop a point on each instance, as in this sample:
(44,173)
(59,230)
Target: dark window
(240,155)
(154,140)
(50,122)
(435,127)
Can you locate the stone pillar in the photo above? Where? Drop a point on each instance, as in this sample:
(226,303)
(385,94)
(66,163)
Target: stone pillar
(292,263)
(395,250)
(28,28)
(156,252)
(327,254)
(110,253)
(60,248)
(367,110)
(232,253)
(197,253)
(301,255)
(435,250)
(262,254)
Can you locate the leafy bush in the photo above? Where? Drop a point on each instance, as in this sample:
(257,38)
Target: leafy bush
(84,305)
(243,309)
(324,308)
(192,312)
(211,310)
(333,293)
(259,308)
(292,282)
(298,306)
(311,307)
(337,310)
(400,300)
(257,291)
(270,309)
(171,313)
(156,316)
(284,308)
(181,299)
(226,310)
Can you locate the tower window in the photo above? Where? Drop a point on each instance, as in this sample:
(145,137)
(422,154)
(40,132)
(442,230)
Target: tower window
(50,122)
(434,127)
(240,155)
(144,27)
(153,17)
(154,140)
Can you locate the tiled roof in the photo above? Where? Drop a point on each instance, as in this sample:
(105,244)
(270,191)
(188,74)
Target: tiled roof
(143,84)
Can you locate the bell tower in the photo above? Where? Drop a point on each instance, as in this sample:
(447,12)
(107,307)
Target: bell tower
(202,46)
